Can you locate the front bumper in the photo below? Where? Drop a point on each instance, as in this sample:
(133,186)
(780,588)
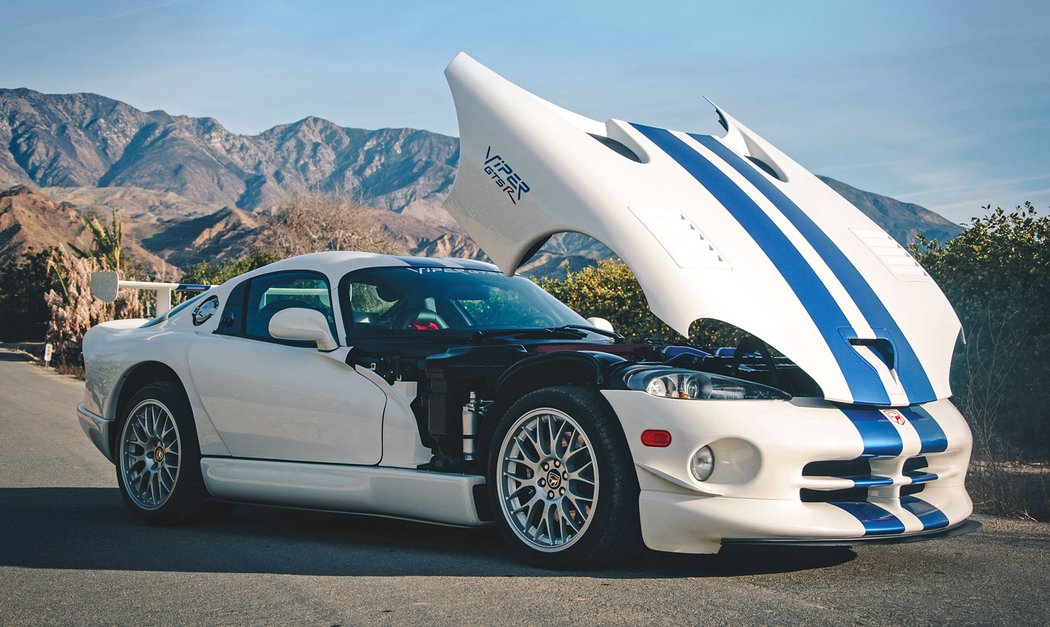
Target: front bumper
(764,487)
(686,524)
(97,429)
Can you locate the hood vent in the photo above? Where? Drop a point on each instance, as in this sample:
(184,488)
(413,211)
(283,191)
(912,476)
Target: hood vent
(892,255)
(617,147)
(682,240)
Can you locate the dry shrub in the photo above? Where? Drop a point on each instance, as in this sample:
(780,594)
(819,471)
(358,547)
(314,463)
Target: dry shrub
(318,222)
(76,310)
(1010,489)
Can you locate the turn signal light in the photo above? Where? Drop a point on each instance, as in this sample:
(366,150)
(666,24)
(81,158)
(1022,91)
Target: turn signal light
(656,437)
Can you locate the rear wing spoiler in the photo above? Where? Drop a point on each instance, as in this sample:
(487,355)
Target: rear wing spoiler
(105,285)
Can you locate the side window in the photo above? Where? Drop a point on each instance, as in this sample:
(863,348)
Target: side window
(271,293)
(232,320)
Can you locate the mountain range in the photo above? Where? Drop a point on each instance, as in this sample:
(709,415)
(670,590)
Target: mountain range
(188,190)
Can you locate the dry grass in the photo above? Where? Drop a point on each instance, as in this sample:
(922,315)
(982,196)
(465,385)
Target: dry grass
(1010,489)
(76,310)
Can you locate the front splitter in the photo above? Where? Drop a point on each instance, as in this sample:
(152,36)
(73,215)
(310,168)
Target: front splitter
(966,526)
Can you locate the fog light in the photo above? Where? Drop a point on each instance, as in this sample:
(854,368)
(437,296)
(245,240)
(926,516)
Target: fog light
(702,464)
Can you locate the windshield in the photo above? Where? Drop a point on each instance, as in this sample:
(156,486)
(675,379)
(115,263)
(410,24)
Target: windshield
(171,312)
(408,300)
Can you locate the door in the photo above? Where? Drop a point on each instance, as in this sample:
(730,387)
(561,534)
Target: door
(282,400)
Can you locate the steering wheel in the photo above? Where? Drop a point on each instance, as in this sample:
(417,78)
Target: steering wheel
(751,344)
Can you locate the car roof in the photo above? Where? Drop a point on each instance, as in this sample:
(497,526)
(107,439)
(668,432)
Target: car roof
(340,262)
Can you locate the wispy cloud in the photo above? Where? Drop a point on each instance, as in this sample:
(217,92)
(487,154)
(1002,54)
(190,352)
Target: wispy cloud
(95,19)
(987,184)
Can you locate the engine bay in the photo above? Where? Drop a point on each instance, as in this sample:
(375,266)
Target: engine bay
(460,383)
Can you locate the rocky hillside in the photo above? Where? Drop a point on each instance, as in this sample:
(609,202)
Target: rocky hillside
(190,190)
(86,140)
(31,220)
(902,220)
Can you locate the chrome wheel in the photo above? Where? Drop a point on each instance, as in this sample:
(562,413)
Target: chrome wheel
(547,481)
(150,452)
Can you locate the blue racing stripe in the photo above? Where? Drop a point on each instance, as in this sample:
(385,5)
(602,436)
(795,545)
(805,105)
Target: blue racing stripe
(876,520)
(421,262)
(912,375)
(881,438)
(930,433)
(470,264)
(931,517)
(827,316)
(446,262)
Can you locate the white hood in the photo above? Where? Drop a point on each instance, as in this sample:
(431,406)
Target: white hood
(724,228)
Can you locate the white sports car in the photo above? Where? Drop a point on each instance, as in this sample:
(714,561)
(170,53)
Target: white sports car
(454,392)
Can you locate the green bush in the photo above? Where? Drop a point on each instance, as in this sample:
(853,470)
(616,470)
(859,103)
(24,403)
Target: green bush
(997,276)
(23,283)
(610,290)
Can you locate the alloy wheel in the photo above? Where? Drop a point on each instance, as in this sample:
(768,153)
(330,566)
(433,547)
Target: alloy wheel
(548,479)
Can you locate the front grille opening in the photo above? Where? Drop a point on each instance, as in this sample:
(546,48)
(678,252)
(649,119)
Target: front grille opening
(915,488)
(833,496)
(839,468)
(915,463)
(859,470)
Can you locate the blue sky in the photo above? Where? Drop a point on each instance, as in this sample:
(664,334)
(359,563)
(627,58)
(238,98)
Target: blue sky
(946,104)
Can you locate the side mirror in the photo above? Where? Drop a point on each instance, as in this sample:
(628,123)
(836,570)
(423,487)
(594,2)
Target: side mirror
(601,323)
(298,323)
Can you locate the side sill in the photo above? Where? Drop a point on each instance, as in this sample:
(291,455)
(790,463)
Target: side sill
(401,493)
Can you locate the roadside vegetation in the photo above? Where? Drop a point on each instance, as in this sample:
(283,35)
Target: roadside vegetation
(610,290)
(996,274)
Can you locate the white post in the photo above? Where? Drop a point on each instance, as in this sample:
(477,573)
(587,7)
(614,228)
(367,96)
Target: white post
(163,300)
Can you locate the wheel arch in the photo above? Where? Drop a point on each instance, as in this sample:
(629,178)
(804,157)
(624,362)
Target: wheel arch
(591,369)
(132,380)
(584,368)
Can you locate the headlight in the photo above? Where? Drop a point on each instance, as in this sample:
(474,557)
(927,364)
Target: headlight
(702,464)
(676,383)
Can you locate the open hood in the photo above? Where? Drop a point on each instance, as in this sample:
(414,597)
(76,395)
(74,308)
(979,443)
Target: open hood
(725,228)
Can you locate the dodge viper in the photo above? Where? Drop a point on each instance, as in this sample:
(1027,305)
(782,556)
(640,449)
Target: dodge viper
(457,392)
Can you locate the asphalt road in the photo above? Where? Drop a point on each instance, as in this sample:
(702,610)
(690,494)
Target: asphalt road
(71,554)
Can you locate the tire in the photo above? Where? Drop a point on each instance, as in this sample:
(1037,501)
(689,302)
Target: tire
(158,459)
(553,508)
